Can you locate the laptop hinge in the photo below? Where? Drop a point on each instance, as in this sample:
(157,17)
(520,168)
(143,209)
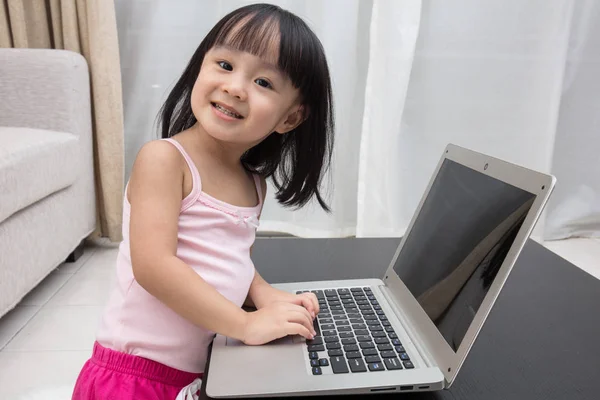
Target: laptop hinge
(414,336)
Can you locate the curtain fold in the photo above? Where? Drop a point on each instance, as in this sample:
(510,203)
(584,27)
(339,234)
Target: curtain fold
(89,28)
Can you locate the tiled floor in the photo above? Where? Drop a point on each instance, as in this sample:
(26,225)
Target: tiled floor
(46,339)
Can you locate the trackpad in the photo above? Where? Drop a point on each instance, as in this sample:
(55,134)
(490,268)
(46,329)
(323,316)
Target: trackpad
(283,340)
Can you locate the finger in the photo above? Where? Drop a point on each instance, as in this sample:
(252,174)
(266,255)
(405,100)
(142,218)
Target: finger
(299,308)
(316,303)
(302,318)
(309,305)
(297,329)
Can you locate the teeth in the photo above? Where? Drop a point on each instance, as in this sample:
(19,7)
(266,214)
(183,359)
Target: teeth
(225,111)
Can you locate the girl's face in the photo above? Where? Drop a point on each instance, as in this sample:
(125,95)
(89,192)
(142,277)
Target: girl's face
(240,98)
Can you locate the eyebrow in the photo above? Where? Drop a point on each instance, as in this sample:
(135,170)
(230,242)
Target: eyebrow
(265,64)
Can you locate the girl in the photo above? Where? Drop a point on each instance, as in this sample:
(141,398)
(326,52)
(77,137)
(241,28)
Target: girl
(254,102)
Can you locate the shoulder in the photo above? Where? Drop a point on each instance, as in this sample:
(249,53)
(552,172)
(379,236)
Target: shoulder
(158,158)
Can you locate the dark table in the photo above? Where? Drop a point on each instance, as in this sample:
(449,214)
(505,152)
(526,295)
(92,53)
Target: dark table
(540,341)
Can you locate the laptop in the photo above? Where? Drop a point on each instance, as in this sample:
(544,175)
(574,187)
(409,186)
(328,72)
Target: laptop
(412,329)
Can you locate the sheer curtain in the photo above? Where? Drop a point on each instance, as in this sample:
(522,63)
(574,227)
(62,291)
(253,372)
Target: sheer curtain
(514,79)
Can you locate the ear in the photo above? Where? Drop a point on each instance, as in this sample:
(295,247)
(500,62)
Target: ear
(292,119)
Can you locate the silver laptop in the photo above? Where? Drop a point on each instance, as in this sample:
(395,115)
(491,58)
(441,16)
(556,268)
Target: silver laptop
(412,329)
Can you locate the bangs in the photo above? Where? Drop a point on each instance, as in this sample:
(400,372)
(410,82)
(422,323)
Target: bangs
(256,34)
(277,38)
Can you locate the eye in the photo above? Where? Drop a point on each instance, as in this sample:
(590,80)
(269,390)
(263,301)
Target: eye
(264,83)
(225,65)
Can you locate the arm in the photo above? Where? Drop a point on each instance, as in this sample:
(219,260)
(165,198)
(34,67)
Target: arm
(262,294)
(155,192)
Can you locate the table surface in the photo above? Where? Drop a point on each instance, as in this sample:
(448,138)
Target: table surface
(540,341)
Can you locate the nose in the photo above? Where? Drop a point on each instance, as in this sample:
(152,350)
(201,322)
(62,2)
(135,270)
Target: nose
(235,87)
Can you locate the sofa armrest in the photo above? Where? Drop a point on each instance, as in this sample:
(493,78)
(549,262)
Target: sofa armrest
(45,89)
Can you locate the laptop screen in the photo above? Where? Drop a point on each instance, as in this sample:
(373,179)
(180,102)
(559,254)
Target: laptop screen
(458,242)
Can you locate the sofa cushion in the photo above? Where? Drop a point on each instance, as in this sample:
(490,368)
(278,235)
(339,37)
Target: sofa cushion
(34,163)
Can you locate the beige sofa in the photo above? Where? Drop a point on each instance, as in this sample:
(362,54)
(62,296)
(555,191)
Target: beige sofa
(47,199)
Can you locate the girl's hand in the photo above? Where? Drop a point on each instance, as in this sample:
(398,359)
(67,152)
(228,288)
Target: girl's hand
(307,300)
(275,321)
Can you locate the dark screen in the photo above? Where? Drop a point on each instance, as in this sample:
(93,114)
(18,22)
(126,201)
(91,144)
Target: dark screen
(457,244)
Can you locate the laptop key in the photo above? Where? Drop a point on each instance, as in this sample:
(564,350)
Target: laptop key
(316,340)
(388,354)
(408,365)
(369,352)
(389,329)
(344,328)
(330,292)
(357,365)
(327,327)
(382,340)
(353,354)
(364,306)
(375,327)
(340,316)
(355,320)
(323,362)
(378,334)
(335,308)
(359,326)
(400,349)
(385,347)
(319,293)
(345,296)
(386,323)
(335,353)
(346,335)
(372,359)
(380,312)
(316,347)
(392,364)
(374,302)
(334,346)
(364,338)
(329,333)
(367,312)
(378,366)
(314,363)
(348,341)
(370,318)
(343,291)
(351,347)
(356,290)
(352,310)
(343,322)
(317,371)
(313,355)
(326,321)
(354,316)
(331,339)
(404,357)
(367,345)
(361,332)
(339,365)
(393,335)
(347,301)
(362,302)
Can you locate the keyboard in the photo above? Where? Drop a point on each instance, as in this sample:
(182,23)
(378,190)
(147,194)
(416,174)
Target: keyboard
(353,334)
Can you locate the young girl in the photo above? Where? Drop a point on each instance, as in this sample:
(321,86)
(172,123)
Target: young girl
(254,102)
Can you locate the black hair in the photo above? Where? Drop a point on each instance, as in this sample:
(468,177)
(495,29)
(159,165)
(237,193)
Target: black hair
(297,160)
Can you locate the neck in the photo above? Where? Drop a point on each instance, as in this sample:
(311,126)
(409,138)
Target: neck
(224,153)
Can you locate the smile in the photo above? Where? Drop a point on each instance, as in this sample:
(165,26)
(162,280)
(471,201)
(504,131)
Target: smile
(226,111)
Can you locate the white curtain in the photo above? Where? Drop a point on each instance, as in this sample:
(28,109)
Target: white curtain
(512,78)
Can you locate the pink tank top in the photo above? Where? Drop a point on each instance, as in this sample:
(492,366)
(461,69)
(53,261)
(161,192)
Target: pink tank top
(214,238)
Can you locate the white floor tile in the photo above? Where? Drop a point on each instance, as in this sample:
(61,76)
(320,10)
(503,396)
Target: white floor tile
(46,289)
(14,321)
(71,268)
(40,375)
(583,252)
(59,328)
(88,287)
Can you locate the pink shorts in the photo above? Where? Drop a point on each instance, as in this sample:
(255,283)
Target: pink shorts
(112,375)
